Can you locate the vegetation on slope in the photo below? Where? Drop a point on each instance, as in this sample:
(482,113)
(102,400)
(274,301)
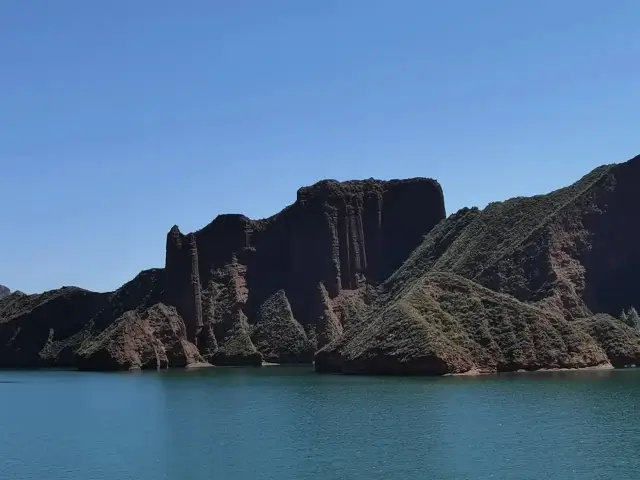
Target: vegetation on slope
(504,288)
(445,324)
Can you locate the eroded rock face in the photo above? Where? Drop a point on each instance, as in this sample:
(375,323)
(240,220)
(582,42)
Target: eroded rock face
(446,324)
(278,336)
(184,288)
(548,266)
(225,338)
(572,250)
(37,329)
(342,236)
(371,276)
(45,330)
(248,291)
(155,338)
(328,327)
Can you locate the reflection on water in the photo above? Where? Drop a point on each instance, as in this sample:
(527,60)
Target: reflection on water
(289,423)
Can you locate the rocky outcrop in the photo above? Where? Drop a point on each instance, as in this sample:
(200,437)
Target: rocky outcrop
(153,339)
(340,236)
(448,324)
(619,341)
(247,291)
(328,327)
(225,338)
(277,334)
(572,250)
(545,264)
(183,287)
(37,330)
(45,330)
(4,291)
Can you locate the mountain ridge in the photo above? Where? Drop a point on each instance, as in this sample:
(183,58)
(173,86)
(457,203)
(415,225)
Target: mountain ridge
(366,276)
(322,252)
(541,252)
(4,291)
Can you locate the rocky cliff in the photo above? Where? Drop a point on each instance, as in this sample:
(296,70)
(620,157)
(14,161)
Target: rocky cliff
(46,330)
(274,288)
(367,277)
(151,339)
(238,291)
(523,284)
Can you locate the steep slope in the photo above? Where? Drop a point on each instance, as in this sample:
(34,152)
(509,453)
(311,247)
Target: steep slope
(317,257)
(277,334)
(572,250)
(4,291)
(449,324)
(45,330)
(554,261)
(153,339)
(37,329)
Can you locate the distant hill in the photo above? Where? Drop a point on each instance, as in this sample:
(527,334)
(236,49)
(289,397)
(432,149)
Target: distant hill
(4,291)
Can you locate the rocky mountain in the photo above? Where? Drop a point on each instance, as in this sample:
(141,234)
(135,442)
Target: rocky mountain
(527,283)
(367,277)
(4,291)
(247,291)
(48,329)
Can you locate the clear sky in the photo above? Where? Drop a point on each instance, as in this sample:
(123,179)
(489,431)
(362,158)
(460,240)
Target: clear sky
(121,118)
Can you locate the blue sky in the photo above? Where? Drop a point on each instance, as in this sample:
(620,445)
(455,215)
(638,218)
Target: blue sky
(119,119)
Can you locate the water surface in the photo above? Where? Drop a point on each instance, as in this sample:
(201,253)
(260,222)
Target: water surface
(289,423)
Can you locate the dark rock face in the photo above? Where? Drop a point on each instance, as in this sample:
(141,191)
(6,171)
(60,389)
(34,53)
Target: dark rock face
(339,236)
(4,291)
(237,292)
(37,329)
(183,289)
(534,271)
(45,330)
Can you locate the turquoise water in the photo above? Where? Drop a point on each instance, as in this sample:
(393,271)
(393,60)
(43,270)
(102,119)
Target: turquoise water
(288,423)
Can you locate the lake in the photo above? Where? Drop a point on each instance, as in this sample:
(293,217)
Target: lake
(289,423)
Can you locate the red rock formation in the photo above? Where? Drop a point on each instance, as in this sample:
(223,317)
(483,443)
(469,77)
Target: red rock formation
(370,274)
(523,284)
(184,289)
(45,330)
(152,339)
(341,235)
